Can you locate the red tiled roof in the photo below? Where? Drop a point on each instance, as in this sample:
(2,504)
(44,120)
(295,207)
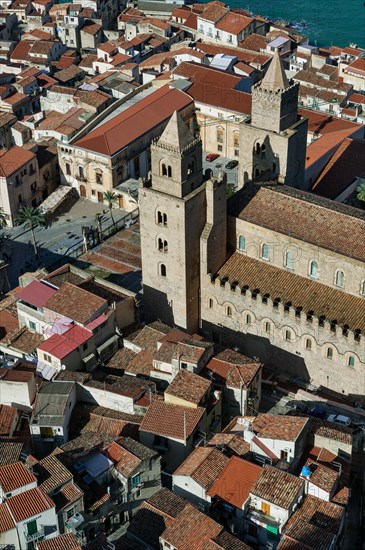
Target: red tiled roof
(203,465)
(235,482)
(233,23)
(36,293)
(111,137)
(188,386)
(6,521)
(14,476)
(277,487)
(214,87)
(191,530)
(13,159)
(62,542)
(29,504)
(357,66)
(345,166)
(76,303)
(21,51)
(285,428)
(61,345)
(7,416)
(321,124)
(157,413)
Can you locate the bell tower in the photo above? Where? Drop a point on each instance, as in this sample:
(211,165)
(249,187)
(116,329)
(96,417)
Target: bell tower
(172,217)
(273,142)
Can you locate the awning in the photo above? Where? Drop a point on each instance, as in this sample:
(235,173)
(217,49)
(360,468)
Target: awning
(112,340)
(46,371)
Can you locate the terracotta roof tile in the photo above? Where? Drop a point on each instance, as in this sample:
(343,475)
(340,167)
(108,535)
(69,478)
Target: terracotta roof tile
(235,482)
(14,476)
(155,419)
(62,542)
(75,303)
(323,477)
(6,521)
(214,87)
(203,465)
(285,428)
(67,495)
(191,529)
(7,416)
(233,443)
(11,160)
(112,136)
(29,504)
(234,23)
(51,473)
(277,487)
(188,386)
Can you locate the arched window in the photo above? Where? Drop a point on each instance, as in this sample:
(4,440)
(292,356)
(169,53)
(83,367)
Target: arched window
(329,353)
(289,260)
(160,245)
(313,269)
(220,135)
(163,170)
(339,278)
(288,335)
(169,172)
(265,252)
(351,361)
(236,139)
(210,303)
(258,149)
(241,243)
(229,311)
(159,217)
(248,319)
(263,150)
(268,327)
(162,270)
(308,344)
(164,219)
(362,288)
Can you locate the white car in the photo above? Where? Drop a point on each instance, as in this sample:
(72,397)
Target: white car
(339,419)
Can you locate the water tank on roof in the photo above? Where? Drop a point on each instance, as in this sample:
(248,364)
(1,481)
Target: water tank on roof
(306,471)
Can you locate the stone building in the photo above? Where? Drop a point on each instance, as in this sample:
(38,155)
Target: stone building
(279,273)
(273,140)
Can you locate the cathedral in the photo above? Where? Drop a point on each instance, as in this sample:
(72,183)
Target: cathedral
(275,271)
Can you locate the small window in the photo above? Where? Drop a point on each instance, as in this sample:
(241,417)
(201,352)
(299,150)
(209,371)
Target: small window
(81,171)
(241,243)
(339,278)
(313,269)
(329,353)
(163,170)
(163,270)
(289,260)
(164,219)
(183,366)
(220,148)
(169,172)
(362,288)
(267,327)
(288,335)
(263,151)
(84,347)
(136,480)
(308,344)
(68,169)
(258,149)
(32,325)
(248,319)
(220,135)
(229,311)
(351,361)
(210,303)
(265,252)
(99,178)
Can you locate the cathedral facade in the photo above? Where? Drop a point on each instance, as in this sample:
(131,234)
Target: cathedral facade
(275,271)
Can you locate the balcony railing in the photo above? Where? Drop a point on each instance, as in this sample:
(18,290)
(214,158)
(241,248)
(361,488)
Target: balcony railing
(80,178)
(34,536)
(260,518)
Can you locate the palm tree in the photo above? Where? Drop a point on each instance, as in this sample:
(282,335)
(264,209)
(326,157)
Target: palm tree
(361,192)
(32,217)
(110,197)
(3,219)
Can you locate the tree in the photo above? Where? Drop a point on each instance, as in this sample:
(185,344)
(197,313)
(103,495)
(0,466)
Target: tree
(361,192)
(3,218)
(32,217)
(110,197)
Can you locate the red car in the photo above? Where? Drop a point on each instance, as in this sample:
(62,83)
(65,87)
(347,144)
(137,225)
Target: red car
(211,157)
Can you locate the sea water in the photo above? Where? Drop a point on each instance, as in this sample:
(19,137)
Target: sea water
(326,22)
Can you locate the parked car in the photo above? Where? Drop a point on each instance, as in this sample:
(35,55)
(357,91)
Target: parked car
(318,412)
(211,156)
(339,419)
(232,164)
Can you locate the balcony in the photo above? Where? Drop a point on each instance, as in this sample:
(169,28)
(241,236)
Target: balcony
(34,536)
(268,522)
(80,178)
